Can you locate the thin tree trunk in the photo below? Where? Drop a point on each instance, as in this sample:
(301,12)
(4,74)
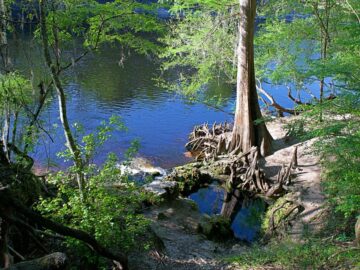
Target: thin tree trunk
(14,129)
(5,258)
(246,133)
(4,57)
(70,141)
(3,35)
(325,43)
(6,132)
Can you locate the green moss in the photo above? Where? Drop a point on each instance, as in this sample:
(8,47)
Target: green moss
(282,201)
(189,179)
(216,228)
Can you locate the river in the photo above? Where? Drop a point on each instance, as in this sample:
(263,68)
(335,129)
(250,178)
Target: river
(99,87)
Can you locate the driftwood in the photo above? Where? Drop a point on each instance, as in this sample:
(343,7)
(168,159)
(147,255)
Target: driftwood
(54,261)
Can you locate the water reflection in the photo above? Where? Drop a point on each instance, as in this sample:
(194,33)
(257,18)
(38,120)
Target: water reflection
(99,87)
(247,222)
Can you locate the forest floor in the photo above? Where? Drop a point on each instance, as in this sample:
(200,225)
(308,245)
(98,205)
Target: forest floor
(175,222)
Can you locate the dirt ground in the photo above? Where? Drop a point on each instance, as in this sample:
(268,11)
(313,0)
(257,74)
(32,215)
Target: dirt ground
(306,183)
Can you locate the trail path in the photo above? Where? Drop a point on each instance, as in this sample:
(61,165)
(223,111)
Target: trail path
(307,177)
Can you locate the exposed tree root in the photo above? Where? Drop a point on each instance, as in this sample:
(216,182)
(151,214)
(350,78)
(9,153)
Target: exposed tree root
(208,142)
(239,172)
(280,218)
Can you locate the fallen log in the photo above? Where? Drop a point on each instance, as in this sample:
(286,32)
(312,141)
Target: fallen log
(54,261)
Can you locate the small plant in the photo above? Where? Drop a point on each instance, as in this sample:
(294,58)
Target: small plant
(111,215)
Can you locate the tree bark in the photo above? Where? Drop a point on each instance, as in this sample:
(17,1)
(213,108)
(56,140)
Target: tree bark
(3,36)
(5,258)
(325,39)
(245,132)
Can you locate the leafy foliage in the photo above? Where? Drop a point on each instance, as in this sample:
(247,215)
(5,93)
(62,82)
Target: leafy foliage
(16,98)
(90,143)
(111,215)
(201,44)
(339,144)
(15,92)
(290,44)
(129,23)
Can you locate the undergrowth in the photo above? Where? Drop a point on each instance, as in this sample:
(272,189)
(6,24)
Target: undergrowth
(314,253)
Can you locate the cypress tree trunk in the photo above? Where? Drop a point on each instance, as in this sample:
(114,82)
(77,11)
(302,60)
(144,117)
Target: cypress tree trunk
(245,133)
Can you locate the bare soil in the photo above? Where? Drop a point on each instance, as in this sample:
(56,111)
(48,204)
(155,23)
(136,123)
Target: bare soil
(306,183)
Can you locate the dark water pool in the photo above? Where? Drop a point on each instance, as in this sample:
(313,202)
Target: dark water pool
(247,223)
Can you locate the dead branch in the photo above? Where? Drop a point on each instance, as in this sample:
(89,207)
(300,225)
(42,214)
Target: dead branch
(273,103)
(16,253)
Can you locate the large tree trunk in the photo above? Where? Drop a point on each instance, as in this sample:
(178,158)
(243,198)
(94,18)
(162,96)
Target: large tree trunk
(246,133)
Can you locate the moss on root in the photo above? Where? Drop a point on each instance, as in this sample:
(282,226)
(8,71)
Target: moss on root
(189,178)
